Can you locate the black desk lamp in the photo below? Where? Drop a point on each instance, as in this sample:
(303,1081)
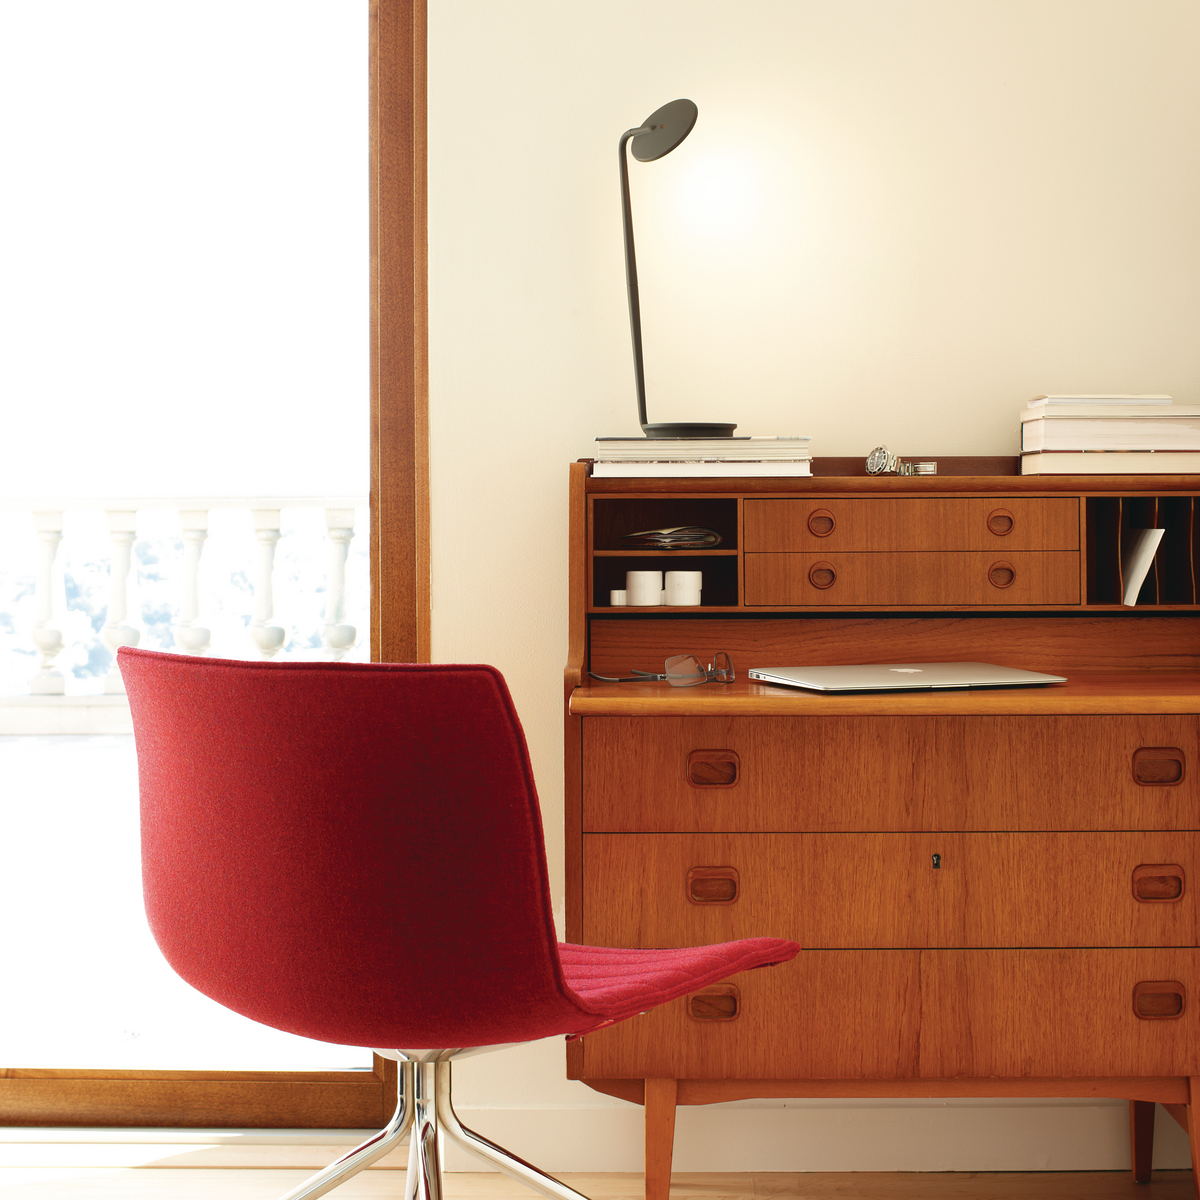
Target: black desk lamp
(657,136)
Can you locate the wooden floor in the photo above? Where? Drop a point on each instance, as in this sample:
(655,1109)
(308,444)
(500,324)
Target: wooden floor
(192,1183)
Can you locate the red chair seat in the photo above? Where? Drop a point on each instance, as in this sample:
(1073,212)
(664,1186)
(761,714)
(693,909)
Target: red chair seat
(615,984)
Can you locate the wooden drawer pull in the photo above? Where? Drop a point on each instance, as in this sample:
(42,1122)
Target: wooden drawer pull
(713,885)
(821,522)
(1001,574)
(721,1002)
(1159,1001)
(713,768)
(822,575)
(1158,766)
(1158,883)
(1000,522)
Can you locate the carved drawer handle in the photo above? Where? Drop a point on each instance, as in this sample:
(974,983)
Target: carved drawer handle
(1001,574)
(713,885)
(721,1002)
(1158,766)
(821,522)
(1158,883)
(822,575)
(1000,522)
(1159,1001)
(713,768)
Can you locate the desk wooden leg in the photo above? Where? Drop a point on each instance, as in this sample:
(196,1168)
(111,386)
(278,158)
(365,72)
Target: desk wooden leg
(660,1136)
(1141,1139)
(1193,1129)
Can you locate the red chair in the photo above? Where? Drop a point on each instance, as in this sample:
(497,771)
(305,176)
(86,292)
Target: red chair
(353,853)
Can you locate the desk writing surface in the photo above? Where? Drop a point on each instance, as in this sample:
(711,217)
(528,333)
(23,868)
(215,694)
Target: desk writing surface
(1083,693)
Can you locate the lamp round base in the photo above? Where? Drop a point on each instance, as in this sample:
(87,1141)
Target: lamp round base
(688,429)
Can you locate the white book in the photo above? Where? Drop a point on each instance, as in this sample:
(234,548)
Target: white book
(693,455)
(760,439)
(1136,560)
(1111,462)
(657,449)
(1110,412)
(1039,400)
(1120,433)
(700,470)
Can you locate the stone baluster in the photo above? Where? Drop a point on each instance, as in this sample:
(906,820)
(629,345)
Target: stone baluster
(47,527)
(190,637)
(122,528)
(267,637)
(338,637)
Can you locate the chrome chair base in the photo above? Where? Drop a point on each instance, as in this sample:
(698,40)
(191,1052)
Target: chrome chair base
(424,1106)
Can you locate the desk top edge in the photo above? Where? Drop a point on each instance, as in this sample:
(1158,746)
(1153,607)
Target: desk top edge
(974,480)
(1148,692)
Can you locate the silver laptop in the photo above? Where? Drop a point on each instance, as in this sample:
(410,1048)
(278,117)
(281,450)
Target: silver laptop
(875,677)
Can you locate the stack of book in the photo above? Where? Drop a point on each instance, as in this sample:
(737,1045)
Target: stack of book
(1110,435)
(697,458)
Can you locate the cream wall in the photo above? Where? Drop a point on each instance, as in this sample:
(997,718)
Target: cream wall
(895,221)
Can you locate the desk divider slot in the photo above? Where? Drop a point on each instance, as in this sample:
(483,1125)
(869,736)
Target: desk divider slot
(1113,522)
(1177,559)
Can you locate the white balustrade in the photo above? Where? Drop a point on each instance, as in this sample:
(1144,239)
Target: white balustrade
(47,527)
(190,637)
(191,633)
(337,636)
(267,637)
(122,528)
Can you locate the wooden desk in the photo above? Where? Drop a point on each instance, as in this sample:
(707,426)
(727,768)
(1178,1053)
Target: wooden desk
(995,890)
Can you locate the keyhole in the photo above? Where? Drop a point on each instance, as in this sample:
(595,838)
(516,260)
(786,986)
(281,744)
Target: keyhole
(937,862)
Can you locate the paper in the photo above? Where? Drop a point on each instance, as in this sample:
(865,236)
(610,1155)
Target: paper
(1136,558)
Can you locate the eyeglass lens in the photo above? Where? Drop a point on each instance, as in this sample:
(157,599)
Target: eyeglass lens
(686,670)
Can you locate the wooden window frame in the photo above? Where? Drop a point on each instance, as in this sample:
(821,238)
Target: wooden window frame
(399,620)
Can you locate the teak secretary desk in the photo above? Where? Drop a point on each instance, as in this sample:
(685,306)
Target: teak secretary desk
(996,890)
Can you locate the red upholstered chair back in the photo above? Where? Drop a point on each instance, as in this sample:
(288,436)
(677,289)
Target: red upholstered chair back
(345,851)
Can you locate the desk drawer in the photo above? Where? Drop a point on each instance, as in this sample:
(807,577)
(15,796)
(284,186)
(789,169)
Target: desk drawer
(1001,524)
(840,1015)
(921,577)
(843,774)
(1059,1013)
(934,1014)
(882,891)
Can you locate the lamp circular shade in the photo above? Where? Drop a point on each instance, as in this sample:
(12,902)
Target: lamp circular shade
(669,125)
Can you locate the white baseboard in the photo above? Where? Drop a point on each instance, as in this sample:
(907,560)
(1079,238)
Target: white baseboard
(856,1136)
(804,1136)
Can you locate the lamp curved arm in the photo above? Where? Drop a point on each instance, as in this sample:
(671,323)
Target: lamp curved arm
(631,278)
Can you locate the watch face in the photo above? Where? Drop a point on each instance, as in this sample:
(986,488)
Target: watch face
(877,460)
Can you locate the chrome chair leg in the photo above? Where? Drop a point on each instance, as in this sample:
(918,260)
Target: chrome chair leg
(497,1156)
(424,1180)
(372,1149)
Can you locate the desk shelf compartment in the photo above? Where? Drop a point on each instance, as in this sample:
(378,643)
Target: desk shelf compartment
(615,517)
(720,588)
(1113,522)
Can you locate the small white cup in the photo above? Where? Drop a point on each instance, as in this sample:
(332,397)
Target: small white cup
(643,589)
(617,598)
(683,588)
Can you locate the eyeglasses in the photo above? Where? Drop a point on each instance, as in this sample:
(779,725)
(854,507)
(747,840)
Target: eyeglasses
(681,670)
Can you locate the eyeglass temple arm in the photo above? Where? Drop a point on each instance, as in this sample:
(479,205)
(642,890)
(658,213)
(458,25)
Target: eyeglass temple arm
(640,677)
